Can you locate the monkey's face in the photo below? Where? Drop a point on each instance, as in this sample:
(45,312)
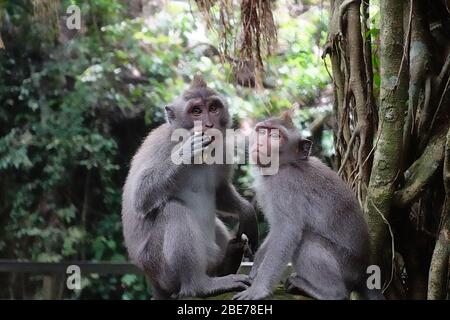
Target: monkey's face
(206,113)
(277,139)
(199,109)
(266,143)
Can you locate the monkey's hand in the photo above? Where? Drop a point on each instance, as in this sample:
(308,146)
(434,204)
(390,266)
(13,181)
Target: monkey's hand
(254,292)
(233,255)
(193,147)
(248,227)
(248,252)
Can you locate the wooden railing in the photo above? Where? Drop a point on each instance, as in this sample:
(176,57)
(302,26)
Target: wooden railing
(55,273)
(61,267)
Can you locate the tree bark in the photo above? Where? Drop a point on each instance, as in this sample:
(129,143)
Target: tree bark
(438,283)
(393,94)
(364,117)
(419,64)
(422,170)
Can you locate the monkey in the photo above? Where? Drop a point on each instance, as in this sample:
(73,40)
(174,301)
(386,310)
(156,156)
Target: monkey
(170,226)
(314,219)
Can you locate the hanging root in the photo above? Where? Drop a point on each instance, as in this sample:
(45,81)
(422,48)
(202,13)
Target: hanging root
(256,30)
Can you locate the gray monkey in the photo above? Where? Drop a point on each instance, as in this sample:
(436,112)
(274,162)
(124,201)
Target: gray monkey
(169,211)
(315,222)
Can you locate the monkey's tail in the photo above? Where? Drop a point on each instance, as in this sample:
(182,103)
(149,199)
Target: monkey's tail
(370,294)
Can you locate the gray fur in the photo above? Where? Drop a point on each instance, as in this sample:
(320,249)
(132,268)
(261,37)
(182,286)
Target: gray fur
(315,222)
(169,215)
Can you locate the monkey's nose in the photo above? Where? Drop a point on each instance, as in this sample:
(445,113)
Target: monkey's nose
(209,125)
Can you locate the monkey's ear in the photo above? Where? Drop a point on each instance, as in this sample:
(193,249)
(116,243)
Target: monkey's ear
(304,147)
(170,113)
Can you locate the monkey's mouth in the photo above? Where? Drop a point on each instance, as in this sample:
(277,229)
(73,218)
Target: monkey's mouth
(204,134)
(257,155)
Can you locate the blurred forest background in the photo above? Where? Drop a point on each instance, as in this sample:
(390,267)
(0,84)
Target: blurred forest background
(368,82)
(76,104)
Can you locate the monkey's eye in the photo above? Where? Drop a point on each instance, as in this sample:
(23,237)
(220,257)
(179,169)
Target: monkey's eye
(275,135)
(196,111)
(262,131)
(213,108)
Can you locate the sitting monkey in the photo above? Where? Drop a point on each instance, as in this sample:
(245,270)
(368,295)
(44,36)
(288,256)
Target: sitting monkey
(169,210)
(315,222)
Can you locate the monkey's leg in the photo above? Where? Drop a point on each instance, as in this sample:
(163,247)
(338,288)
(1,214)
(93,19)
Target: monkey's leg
(280,248)
(301,285)
(186,249)
(229,200)
(232,249)
(259,257)
(222,235)
(294,285)
(200,284)
(319,271)
(160,294)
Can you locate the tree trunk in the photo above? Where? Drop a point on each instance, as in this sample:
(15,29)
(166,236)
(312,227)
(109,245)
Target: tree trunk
(393,161)
(438,284)
(390,148)
(393,96)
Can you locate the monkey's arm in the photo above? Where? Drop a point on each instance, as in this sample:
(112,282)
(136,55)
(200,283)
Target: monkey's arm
(259,257)
(152,190)
(157,181)
(280,248)
(229,200)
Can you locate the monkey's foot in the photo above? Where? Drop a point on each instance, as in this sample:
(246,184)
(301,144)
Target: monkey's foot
(252,293)
(241,278)
(219,285)
(292,285)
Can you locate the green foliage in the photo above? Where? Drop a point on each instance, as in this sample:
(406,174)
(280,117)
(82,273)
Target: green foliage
(61,163)
(374,33)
